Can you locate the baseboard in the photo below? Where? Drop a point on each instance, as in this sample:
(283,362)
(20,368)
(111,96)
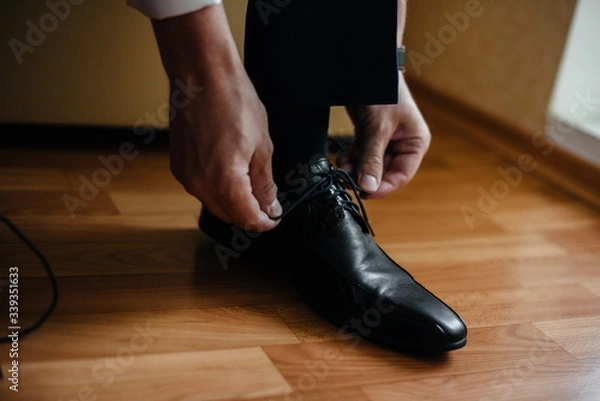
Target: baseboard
(580,138)
(58,136)
(555,166)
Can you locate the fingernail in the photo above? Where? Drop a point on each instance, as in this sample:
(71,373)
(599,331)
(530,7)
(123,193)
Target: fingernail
(274,209)
(369,183)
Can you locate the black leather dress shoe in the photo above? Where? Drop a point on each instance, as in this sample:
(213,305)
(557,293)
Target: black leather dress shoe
(325,241)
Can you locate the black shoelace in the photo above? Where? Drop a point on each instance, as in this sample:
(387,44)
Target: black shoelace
(336,179)
(42,258)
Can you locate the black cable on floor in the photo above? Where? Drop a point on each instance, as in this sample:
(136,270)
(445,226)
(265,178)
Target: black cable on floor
(42,258)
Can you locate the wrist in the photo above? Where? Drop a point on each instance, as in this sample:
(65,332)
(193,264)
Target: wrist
(402,7)
(197,46)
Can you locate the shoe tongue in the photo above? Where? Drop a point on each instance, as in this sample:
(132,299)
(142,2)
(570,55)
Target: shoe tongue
(331,206)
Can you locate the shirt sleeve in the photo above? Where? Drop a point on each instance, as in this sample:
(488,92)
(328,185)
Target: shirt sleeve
(160,9)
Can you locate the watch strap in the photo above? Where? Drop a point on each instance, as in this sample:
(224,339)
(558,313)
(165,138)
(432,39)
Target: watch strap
(401,58)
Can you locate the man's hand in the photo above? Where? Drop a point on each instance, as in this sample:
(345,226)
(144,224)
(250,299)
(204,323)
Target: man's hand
(391,141)
(220,145)
(221,153)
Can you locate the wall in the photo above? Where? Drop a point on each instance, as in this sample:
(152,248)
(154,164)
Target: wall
(97,66)
(579,72)
(499,57)
(100,64)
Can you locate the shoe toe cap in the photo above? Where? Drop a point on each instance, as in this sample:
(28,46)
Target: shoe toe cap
(423,322)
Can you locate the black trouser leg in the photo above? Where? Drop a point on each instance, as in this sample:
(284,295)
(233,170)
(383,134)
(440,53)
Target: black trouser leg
(305,55)
(298,134)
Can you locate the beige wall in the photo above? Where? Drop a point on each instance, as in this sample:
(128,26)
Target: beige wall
(98,66)
(101,66)
(502,60)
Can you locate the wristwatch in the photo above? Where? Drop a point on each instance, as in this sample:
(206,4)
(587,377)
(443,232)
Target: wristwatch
(401,58)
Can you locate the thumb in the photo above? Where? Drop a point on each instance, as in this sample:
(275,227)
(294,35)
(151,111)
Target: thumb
(370,163)
(264,188)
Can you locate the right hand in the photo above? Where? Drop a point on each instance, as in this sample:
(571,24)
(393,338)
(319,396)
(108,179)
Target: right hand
(220,145)
(221,153)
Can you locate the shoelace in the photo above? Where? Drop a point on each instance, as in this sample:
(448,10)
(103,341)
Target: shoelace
(337,179)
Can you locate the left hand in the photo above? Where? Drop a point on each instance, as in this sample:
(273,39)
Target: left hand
(391,141)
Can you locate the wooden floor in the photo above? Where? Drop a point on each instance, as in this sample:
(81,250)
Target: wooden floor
(147,311)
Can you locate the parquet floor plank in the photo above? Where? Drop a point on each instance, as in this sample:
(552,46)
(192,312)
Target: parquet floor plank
(147,311)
